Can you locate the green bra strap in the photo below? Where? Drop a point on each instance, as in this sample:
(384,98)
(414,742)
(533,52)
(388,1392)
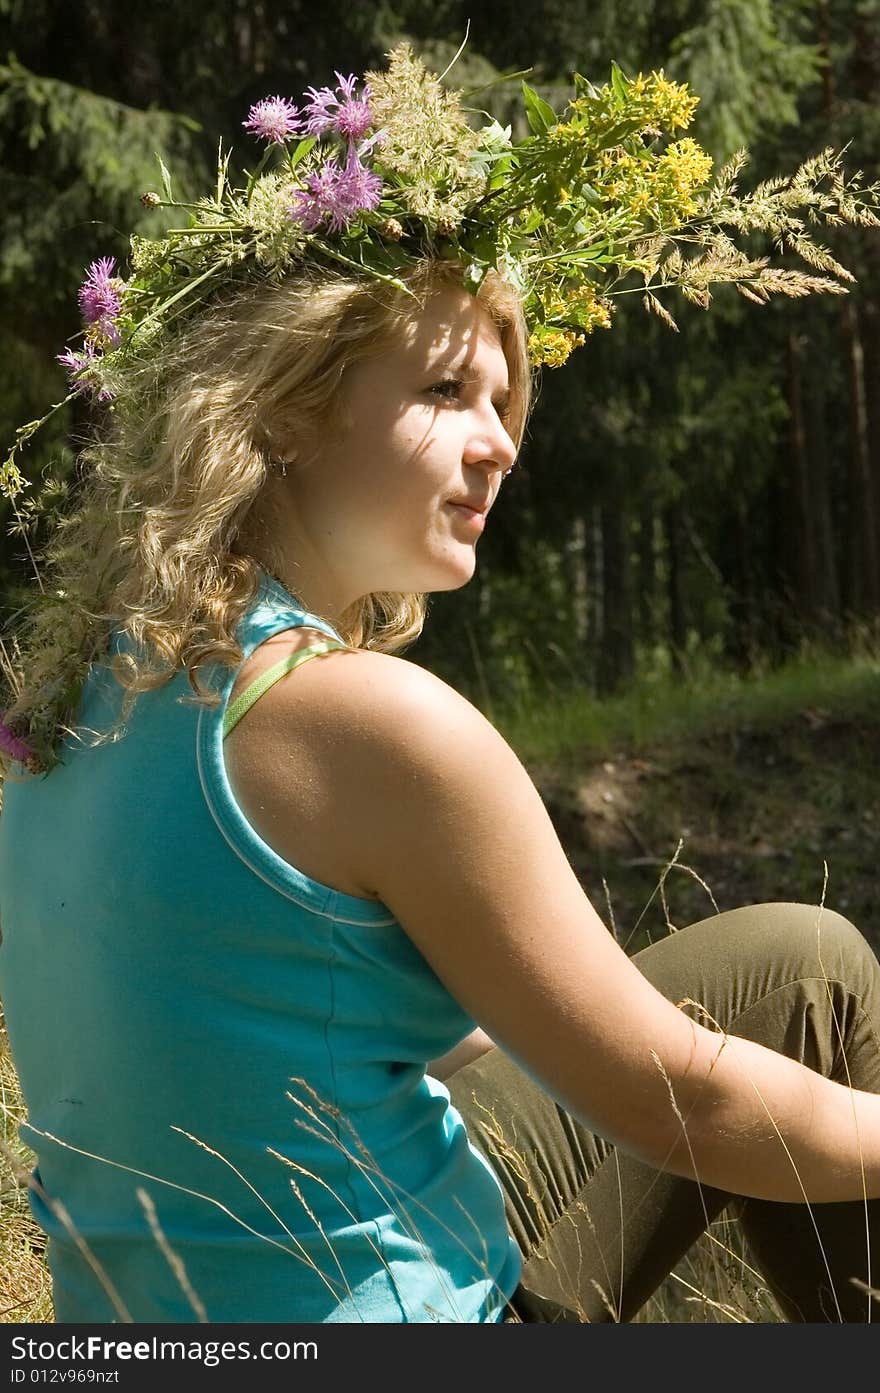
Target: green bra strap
(244,703)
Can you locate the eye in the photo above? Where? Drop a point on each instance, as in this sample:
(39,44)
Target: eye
(448,388)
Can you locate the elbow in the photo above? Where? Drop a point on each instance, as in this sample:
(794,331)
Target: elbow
(677,1130)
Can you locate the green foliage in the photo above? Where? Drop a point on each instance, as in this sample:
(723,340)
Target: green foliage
(67,154)
(687,437)
(552,728)
(748,64)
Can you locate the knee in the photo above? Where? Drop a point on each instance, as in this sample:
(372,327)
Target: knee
(822,938)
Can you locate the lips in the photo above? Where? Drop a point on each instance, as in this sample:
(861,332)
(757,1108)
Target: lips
(473,505)
(471,515)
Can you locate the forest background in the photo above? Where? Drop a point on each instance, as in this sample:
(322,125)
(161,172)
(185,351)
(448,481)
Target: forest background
(713,493)
(690,544)
(676,612)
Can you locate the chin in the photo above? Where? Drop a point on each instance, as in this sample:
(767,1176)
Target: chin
(454,577)
(442,572)
(450,585)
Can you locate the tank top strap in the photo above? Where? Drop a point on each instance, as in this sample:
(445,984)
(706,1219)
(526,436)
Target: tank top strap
(252,693)
(275,609)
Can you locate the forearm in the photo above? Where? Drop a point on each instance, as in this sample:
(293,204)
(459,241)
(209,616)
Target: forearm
(763,1125)
(465,1052)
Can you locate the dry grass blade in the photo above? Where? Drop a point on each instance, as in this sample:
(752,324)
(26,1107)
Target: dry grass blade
(651,303)
(25,1288)
(173,1260)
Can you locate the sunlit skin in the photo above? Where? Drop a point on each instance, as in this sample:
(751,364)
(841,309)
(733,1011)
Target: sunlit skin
(377,502)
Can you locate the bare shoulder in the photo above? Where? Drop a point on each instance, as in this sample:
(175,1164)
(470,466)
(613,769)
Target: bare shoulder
(326,761)
(420,782)
(409,754)
(393,706)
(364,707)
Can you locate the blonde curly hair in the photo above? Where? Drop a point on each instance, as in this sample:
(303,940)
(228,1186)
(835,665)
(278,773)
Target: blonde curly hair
(157,549)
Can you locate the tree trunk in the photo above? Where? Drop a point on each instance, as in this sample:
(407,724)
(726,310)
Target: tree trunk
(802,542)
(866,84)
(864,579)
(617,652)
(819,462)
(871,341)
(677,625)
(578,579)
(595,592)
(647,574)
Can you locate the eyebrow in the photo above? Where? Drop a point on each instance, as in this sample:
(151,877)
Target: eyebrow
(500,400)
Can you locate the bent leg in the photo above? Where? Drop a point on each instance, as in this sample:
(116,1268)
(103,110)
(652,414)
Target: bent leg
(599,1230)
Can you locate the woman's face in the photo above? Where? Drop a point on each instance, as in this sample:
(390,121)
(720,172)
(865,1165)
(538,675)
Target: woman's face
(394,496)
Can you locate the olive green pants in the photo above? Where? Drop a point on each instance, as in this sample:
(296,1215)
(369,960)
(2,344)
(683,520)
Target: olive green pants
(598,1230)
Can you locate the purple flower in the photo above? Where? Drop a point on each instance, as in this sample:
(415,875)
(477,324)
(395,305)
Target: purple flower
(355,117)
(306,210)
(350,116)
(363,188)
(98,297)
(320,118)
(82,378)
(322,197)
(76,362)
(274,118)
(337,194)
(13,746)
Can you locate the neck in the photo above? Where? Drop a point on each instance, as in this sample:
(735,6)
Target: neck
(273,537)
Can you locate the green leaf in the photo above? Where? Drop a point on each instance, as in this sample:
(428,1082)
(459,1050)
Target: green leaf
(484,246)
(540,115)
(222,169)
(302,150)
(534,220)
(620,84)
(585,88)
(500,172)
(617,133)
(166,179)
(593,253)
(495,137)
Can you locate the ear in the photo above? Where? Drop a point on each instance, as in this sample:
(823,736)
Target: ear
(281,466)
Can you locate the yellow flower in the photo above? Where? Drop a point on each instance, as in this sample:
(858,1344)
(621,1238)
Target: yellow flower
(580,306)
(552,346)
(680,170)
(672,103)
(689,162)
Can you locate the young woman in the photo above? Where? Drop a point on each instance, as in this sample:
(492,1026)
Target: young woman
(313,1019)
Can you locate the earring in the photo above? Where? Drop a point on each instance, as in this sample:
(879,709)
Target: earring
(279,466)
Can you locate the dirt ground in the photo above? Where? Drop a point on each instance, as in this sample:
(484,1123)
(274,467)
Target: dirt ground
(744,817)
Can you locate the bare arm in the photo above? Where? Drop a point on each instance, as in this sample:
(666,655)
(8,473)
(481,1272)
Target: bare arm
(465,1052)
(444,824)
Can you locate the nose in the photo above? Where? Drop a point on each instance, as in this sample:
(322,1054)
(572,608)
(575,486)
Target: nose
(490,447)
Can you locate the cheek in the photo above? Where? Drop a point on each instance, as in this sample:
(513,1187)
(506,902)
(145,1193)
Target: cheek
(402,465)
(388,470)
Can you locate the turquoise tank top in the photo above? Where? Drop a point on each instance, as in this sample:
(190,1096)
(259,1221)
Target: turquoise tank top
(223,1060)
